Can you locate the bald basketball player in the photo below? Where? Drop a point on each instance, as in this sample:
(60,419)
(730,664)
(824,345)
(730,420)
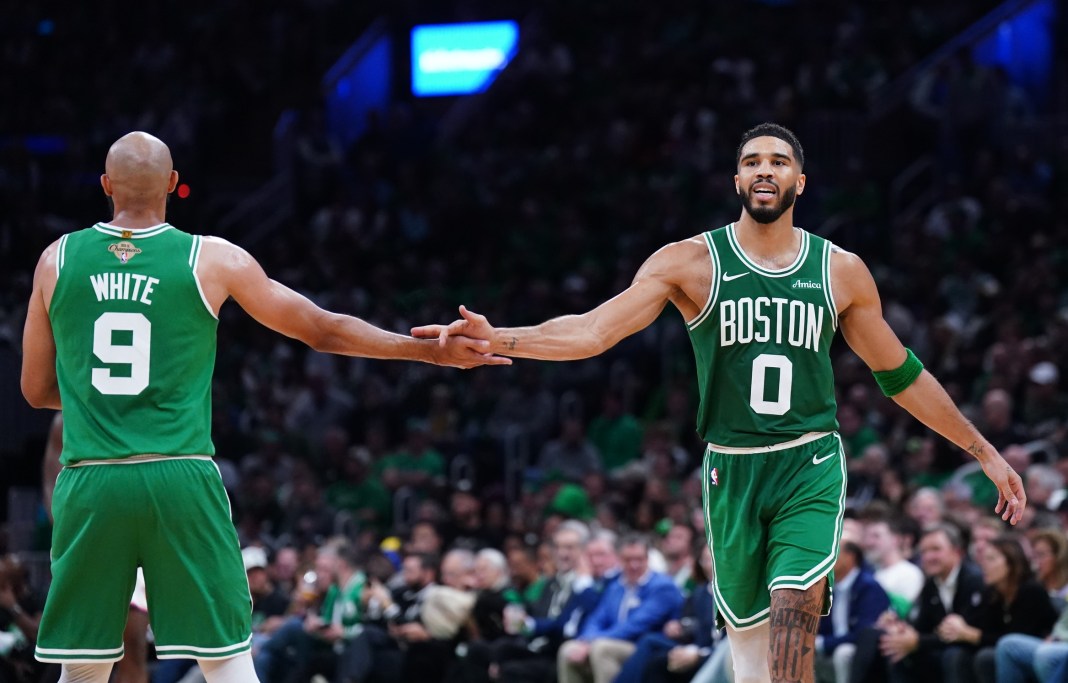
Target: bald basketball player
(120,334)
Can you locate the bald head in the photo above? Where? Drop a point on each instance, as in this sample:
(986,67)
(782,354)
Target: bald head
(138,172)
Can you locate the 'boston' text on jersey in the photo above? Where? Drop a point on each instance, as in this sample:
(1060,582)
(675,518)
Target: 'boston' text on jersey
(775,319)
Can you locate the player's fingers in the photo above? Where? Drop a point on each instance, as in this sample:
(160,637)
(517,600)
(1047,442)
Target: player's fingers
(1012,505)
(426,331)
(477,345)
(497,360)
(1001,503)
(471,316)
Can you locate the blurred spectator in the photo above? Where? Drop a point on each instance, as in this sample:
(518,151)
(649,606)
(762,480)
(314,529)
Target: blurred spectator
(859,601)
(640,602)
(570,456)
(431,650)
(458,569)
(616,434)
(424,537)
(416,464)
(1015,603)
(900,578)
(677,548)
(283,569)
(1049,561)
(856,435)
(310,644)
(494,594)
(1043,400)
(464,527)
(1019,657)
(317,407)
(997,424)
(361,495)
(983,531)
(443,417)
(1044,486)
(393,619)
(674,654)
(525,574)
(308,517)
(20,614)
(269,602)
(569,599)
(913,650)
(926,508)
(495,590)
(865,474)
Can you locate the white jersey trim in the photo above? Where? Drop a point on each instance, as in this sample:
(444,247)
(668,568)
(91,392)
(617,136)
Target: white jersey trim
(167,651)
(137,233)
(713,290)
(54,655)
(800,441)
(799,261)
(194,261)
(134,459)
(61,257)
(827,293)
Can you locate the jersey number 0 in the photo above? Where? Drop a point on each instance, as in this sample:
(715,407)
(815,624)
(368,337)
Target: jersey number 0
(757,400)
(135,353)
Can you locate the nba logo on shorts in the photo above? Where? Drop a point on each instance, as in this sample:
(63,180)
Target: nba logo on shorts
(714,476)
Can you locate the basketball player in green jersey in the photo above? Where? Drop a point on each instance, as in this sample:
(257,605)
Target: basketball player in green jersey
(762,300)
(120,334)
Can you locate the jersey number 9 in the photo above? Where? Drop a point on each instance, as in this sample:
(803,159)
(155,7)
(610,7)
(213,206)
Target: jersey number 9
(135,353)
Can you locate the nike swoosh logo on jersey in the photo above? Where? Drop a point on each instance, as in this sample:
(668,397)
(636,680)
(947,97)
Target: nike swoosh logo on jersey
(728,278)
(817,460)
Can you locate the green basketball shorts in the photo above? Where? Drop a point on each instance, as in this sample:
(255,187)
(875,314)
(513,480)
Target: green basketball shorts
(773,520)
(170,516)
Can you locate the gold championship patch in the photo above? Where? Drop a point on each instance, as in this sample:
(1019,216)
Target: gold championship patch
(124,251)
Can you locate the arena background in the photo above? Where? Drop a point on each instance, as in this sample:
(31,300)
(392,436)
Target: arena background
(936,135)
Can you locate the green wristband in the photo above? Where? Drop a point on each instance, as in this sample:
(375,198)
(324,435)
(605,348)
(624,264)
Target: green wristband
(893,382)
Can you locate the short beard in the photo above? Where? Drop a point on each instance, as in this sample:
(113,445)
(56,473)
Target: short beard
(768,214)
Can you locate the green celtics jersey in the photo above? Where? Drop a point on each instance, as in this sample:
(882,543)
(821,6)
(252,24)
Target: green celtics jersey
(135,344)
(762,345)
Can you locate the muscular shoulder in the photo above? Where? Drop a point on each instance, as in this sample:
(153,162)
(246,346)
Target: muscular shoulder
(674,260)
(851,280)
(45,272)
(222,256)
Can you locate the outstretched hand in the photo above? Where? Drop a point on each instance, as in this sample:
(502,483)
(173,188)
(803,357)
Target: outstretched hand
(470,324)
(1012,499)
(464,352)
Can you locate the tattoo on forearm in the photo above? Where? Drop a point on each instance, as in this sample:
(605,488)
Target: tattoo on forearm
(511,344)
(795,619)
(975,449)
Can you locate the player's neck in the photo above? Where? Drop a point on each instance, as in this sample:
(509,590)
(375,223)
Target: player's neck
(768,241)
(136,218)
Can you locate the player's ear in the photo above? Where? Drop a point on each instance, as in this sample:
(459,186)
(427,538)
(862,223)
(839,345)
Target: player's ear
(173,182)
(105,182)
(800,183)
(737,184)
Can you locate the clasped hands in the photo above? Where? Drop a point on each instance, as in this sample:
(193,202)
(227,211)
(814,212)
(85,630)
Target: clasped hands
(464,343)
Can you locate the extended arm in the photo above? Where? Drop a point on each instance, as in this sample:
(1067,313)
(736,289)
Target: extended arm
(572,337)
(39,383)
(228,270)
(871,338)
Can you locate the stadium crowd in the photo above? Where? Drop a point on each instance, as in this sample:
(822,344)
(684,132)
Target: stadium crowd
(406,523)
